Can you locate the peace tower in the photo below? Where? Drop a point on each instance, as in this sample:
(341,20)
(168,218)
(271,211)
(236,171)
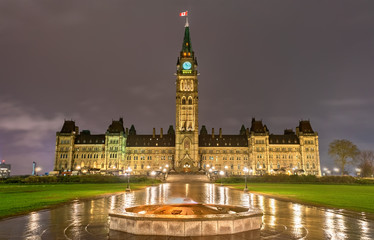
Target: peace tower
(187,102)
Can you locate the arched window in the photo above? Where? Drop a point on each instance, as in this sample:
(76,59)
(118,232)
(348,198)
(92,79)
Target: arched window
(307,165)
(258,164)
(278,165)
(183,101)
(190,101)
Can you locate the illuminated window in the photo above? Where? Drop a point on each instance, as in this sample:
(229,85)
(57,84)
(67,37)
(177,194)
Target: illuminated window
(184,54)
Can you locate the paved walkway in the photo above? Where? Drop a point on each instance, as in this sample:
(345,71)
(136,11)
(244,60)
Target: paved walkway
(187,178)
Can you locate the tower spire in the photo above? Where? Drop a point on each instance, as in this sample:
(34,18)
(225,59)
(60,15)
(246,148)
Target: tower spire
(186,47)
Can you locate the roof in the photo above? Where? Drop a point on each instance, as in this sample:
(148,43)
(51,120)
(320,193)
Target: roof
(116,126)
(90,139)
(305,127)
(283,139)
(258,127)
(207,140)
(187,47)
(68,127)
(167,140)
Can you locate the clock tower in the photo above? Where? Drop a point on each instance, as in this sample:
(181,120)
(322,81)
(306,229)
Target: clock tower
(187,124)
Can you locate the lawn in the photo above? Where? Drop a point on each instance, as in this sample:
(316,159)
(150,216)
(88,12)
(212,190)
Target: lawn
(352,197)
(23,198)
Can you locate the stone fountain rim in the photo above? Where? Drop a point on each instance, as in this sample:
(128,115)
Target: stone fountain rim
(207,217)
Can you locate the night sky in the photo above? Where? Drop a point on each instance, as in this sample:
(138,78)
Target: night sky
(93,61)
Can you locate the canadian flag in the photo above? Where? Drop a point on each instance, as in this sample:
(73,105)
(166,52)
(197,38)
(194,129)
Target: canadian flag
(183,14)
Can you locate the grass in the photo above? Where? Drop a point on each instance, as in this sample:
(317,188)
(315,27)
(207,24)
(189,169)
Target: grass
(352,197)
(22,198)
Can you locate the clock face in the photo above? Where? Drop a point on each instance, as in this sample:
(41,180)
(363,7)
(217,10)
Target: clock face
(187,65)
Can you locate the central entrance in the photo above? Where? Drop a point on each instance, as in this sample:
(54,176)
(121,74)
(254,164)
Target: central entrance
(186,168)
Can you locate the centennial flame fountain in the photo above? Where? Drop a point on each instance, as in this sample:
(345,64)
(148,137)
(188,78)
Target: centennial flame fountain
(186,219)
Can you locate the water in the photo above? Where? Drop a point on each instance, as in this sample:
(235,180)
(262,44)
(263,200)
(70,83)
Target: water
(282,220)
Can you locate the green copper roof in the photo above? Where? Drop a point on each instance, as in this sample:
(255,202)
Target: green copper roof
(187,40)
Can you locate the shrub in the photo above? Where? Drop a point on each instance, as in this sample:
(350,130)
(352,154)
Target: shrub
(297,179)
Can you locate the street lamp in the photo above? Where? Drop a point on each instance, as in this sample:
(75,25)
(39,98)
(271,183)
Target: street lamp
(358,172)
(128,179)
(37,169)
(246,173)
(336,170)
(221,173)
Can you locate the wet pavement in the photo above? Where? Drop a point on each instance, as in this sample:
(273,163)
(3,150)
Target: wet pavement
(282,220)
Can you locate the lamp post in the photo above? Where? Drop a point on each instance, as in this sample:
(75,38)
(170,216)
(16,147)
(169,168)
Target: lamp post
(128,189)
(336,170)
(153,174)
(37,169)
(358,172)
(210,173)
(325,171)
(221,173)
(246,173)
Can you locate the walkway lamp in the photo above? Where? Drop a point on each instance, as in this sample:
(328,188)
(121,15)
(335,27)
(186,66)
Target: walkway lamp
(336,170)
(153,174)
(221,173)
(128,171)
(246,173)
(37,169)
(358,172)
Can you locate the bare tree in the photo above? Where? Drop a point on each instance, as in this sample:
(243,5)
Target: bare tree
(366,163)
(343,152)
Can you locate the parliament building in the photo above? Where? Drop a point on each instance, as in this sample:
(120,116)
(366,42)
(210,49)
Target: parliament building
(186,148)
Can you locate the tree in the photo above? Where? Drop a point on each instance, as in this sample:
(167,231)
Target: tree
(366,163)
(344,152)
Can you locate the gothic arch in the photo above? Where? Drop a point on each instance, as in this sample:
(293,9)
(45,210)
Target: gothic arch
(190,100)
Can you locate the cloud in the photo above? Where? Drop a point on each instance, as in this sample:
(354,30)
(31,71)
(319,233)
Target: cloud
(348,102)
(27,126)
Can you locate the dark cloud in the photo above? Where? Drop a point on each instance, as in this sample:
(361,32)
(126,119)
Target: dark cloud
(94,61)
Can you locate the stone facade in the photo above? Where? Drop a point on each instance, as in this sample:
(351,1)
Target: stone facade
(185,149)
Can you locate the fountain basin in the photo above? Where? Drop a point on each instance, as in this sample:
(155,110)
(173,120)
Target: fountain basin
(185,220)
